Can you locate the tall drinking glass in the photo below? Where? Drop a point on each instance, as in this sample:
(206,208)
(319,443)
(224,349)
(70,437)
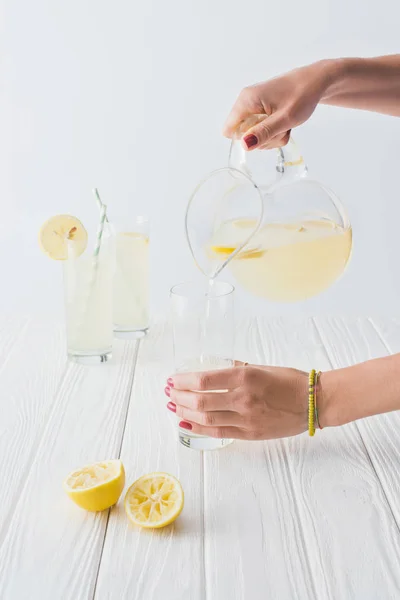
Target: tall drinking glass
(203,338)
(88,286)
(131,282)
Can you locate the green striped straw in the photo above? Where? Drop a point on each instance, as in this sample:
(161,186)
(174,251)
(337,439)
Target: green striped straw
(100,230)
(99,236)
(98,200)
(95,261)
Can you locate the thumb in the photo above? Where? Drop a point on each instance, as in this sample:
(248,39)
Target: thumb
(260,134)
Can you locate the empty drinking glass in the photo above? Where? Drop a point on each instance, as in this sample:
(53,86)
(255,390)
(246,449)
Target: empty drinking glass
(203,337)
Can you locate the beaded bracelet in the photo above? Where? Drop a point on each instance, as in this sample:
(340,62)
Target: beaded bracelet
(311,403)
(317,376)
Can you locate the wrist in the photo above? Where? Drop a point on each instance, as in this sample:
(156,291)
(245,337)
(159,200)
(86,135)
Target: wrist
(341,390)
(335,73)
(329,412)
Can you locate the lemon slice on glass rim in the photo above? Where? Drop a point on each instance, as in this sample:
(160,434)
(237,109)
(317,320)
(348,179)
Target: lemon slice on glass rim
(57,231)
(97,486)
(155,500)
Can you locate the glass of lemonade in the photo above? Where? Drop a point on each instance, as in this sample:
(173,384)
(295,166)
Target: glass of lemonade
(131,281)
(88,301)
(203,337)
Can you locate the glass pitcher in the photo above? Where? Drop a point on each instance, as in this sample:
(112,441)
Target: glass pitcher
(284,236)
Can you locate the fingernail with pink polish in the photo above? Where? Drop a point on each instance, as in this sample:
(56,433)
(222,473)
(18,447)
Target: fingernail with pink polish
(171,406)
(250,140)
(185,425)
(170,382)
(167,391)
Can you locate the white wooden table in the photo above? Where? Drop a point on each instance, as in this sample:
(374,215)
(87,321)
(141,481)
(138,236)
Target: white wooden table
(289,519)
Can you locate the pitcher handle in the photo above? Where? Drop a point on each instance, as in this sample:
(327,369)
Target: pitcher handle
(289,160)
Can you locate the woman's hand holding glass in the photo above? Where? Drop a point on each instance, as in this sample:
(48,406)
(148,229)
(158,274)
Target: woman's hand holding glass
(252,403)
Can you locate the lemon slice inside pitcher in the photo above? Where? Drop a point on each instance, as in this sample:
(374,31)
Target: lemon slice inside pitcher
(227,201)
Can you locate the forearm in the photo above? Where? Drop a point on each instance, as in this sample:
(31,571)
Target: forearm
(364,390)
(364,83)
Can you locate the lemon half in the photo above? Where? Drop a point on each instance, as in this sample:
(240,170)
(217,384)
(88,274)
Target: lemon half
(154,500)
(98,486)
(55,234)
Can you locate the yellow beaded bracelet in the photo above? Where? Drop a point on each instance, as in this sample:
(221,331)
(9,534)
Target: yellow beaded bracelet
(311,403)
(317,376)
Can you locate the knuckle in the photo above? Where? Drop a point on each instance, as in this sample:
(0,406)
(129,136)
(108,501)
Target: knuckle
(209,419)
(248,402)
(284,140)
(241,377)
(220,432)
(290,114)
(255,435)
(180,412)
(249,376)
(203,381)
(264,130)
(246,93)
(286,118)
(250,408)
(198,403)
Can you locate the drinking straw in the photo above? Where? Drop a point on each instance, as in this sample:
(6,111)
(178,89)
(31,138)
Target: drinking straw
(98,200)
(99,236)
(95,260)
(100,230)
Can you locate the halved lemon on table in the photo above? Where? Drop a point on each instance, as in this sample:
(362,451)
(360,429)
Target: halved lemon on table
(154,500)
(57,231)
(97,486)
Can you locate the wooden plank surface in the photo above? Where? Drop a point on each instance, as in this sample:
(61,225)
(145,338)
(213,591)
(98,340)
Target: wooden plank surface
(168,563)
(309,518)
(286,519)
(11,329)
(389,332)
(50,548)
(32,365)
(359,340)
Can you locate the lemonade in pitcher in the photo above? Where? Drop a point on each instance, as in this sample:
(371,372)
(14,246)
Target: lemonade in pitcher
(285,262)
(284,236)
